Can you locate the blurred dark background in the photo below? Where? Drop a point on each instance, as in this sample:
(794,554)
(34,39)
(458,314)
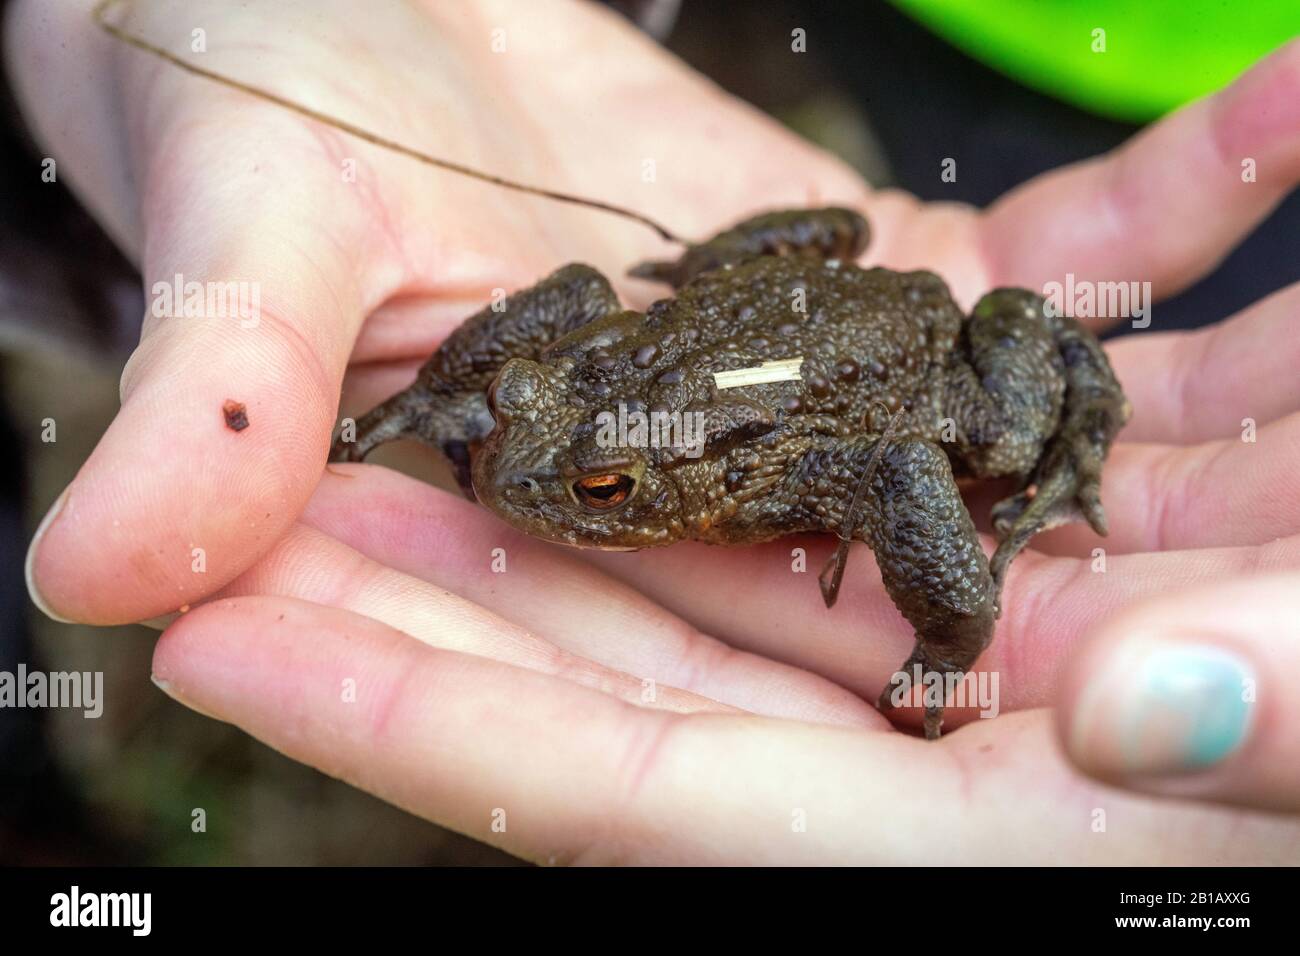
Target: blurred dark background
(875,87)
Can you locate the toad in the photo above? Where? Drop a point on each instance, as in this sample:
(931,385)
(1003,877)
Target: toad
(817,396)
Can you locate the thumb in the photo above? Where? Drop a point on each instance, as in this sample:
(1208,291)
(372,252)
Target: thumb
(1190,695)
(229,400)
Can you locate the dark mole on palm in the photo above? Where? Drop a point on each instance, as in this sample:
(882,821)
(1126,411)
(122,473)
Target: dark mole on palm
(897,392)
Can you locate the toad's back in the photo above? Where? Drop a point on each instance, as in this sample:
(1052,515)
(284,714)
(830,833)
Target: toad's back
(864,336)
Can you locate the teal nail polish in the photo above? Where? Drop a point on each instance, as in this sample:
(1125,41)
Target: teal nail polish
(1193,709)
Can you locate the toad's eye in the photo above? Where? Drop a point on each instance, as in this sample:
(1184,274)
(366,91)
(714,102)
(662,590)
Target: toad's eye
(603,492)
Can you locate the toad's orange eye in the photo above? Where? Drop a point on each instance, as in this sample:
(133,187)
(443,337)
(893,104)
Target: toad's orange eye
(602,492)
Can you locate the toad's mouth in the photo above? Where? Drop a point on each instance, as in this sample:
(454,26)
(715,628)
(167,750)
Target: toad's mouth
(584,546)
(552,525)
(572,538)
(548,522)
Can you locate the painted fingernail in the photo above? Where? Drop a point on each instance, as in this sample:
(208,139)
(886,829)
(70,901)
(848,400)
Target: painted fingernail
(1165,710)
(28,566)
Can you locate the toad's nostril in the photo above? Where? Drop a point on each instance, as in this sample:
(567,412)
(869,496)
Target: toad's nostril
(509,480)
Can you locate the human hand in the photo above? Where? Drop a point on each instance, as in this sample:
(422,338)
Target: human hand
(559,714)
(555,711)
(1046,229)
(364,273)
(554,747)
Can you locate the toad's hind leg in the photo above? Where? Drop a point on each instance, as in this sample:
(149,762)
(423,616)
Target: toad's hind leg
(1037,400)
(830,233)
(446,406)
(931,562)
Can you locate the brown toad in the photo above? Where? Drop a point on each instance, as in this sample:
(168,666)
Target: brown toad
(887,392)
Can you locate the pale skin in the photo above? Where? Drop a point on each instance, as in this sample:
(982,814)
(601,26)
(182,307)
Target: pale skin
(527,691)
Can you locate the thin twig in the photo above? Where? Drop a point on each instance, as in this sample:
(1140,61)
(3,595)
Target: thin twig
(890,430)
(835,566)
(383,142)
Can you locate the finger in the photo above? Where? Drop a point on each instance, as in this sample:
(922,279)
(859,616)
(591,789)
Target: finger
(1166,206)
(310,566)
(1188,387)
(756,603)
(558,773)
(1191,695)
(175,501)
(403,524)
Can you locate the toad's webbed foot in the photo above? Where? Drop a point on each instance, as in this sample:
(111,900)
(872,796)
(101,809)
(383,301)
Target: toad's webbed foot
(830,233)
(933,686)
(1065,487)
(1036,398)
(451,421)
(911,513)
(1065,483)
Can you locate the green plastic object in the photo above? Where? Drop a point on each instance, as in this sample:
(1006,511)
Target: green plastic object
(1153,56)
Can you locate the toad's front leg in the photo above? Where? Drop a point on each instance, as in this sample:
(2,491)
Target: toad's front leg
(925,543)
(446,406)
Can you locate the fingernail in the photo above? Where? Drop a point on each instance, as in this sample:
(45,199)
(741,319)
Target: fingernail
(1165,710)
(28,565)
(167,688)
